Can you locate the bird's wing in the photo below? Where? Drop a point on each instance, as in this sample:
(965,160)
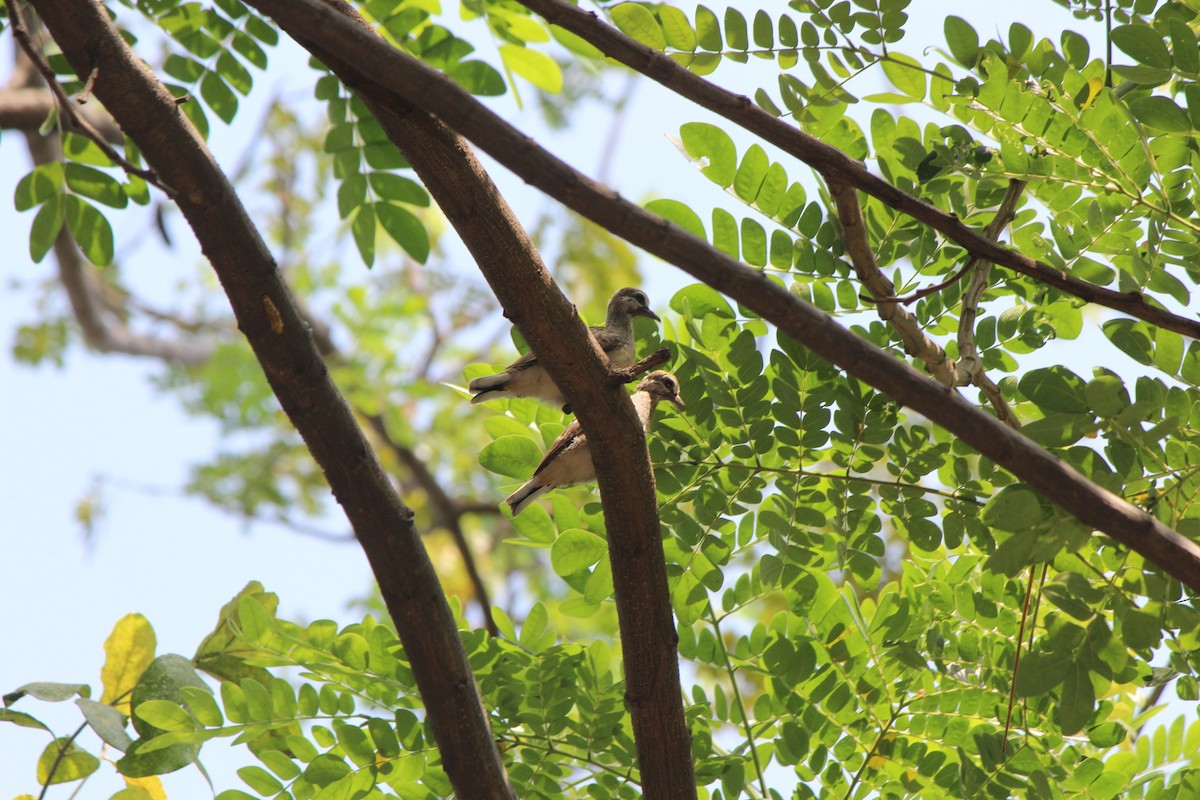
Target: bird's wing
(523,363)
(608,340)
(569,438)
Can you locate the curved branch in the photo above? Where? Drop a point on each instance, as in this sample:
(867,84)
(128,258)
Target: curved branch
(416,83)
(835,165)
(916,343)
(514,270)
(268,317)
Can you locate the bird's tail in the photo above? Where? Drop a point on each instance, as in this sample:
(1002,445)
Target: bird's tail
(531,490)
(489,387)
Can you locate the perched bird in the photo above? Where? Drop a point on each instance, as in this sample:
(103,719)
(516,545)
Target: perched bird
(526,377)
(569,460)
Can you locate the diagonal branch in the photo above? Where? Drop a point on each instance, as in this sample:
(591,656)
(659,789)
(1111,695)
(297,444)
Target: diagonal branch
(916,343)
(1041,470)
(514,270)
(268,317)
(969,362)
(836,166)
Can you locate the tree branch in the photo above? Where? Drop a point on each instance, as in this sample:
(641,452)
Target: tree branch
(969,362)
(331,31)
(271,322)
(446,513)
(26,108)
(916,343)
(836,166)
(1043,471)
(67,108)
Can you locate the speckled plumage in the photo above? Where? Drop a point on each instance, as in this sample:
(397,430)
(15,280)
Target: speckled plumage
(526,377)
(569,460)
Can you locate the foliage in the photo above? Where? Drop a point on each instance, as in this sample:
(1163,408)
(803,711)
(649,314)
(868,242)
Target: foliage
(848,579)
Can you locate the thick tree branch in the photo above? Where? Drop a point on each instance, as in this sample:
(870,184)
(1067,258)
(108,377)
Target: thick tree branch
(835,165)
(1043,471)
(916,343)
(271,322)
(514,270)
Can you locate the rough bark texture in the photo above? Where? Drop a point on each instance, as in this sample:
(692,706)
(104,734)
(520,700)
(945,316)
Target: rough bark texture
(269,318)
(1043,471)
(548,321)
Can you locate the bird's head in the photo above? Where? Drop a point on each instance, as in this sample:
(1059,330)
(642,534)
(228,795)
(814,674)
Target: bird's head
(662,385)
(629,302)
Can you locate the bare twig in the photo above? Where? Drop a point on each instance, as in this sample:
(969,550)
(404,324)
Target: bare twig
(410,81)
(969,363)
(854,235)
(630,374)
(447,513)
(21,34)
(836,166)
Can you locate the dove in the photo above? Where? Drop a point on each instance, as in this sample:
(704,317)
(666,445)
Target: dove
(569,460)
(526,377)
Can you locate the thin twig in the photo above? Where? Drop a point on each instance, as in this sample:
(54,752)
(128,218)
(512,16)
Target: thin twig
(629,374)
(916,342)
(446,513)
(969,363)
(21,34)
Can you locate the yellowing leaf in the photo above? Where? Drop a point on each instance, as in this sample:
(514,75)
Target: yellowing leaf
(128,650)
(534,66)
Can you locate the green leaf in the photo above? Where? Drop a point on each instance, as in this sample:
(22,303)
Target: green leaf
(42,183)
(636,22)
(164,715)
(708,30)
(676,28)
(1014,508)
(962,40)
(735,30)
(1078,699)
(107,722)
(90,229)
(905,74)
(1161,113)
(703,141)
(219,96)
(97,185)
(1055,389)
(62,761)
(363,229)
(576,550)
(680,214)
(478,77)
(1144,45)
(750,173)
(699,300)
(534,66)
(46,224)
(513,456)
(48,692)
(405,229)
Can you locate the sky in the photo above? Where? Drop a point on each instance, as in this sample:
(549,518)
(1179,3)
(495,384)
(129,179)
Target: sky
(174,558)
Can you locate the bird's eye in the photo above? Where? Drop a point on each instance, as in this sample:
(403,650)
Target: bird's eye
(641,298)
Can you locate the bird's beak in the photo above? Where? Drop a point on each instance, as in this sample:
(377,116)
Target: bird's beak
(678,401)
(645,312)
